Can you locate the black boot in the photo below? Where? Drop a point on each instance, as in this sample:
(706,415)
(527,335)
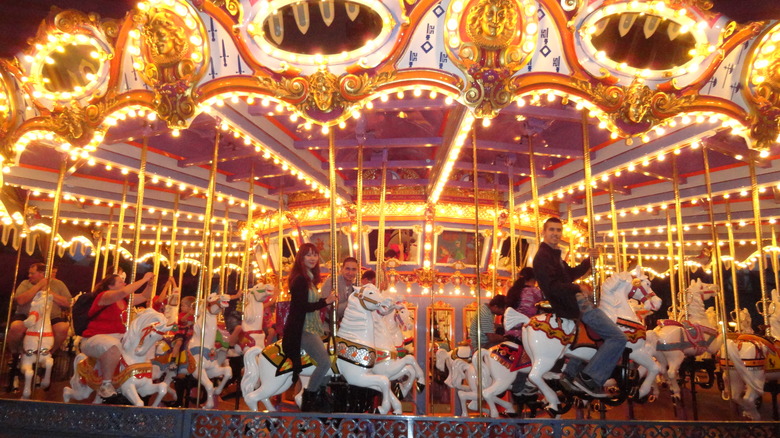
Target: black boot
(325,400)
(310,401)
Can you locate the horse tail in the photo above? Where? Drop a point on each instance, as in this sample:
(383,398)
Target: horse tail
(750,377)
(251,370)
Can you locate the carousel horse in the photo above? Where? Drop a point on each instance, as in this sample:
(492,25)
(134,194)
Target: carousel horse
(134,376)
(356,357)
(462,376)
(252,325)
(392,359)
(547,337)
(754,360)
(207,352)
(38,324)
(691,337)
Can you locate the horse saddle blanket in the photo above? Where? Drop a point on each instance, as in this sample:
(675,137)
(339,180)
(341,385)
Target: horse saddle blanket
(767,353)
(552,326)
(276,356)
(355,353)
(698,336)
(90,377)
(510,355)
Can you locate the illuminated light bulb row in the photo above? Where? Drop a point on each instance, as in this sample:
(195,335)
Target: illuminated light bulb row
(267,152)
(458,142)
(764,57)
(56,42)
(265,10)
(688,23)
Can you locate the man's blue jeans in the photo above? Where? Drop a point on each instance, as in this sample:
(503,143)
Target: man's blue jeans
(603,362)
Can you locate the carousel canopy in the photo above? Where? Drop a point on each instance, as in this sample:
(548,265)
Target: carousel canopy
(648,102)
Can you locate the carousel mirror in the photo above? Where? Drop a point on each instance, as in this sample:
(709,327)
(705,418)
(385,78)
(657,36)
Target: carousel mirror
(441,317)
(409,316)
(400,244)
(469,313)
(70,70)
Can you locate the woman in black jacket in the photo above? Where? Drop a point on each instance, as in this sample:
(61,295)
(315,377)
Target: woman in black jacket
(304,328)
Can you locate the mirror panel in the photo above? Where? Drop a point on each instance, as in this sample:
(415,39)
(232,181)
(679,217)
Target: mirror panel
(469,313)
(440,332)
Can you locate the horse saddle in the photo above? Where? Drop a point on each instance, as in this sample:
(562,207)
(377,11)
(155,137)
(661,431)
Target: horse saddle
(698,336)
(585,337)
(510,355)
(768,359)
(89,375)
(276,356)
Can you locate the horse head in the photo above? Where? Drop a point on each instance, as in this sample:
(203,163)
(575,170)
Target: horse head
(146,329)
(216,303)
(39,305)
(260,293)
(642,291)
(371,299)
(403,317)
(699,289)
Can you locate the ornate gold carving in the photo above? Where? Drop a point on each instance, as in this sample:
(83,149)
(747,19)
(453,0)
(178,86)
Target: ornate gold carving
(636,104)
(171,68)
(492,23)
(425,277)
(233,7)
(325,92)
(764,91)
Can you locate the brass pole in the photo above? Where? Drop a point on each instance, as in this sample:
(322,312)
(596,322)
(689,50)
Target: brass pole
(174,232)
(380,240)
(223,270)
(250,207)
(670,256)
(139,212)
(733,253)
(595,264)
(280,234)
(680,239)
(494,247)
(55,229)
(204,278)
(512,253)
(534,190)
(615,238)
(624,252)
(107,241)
(16,278)
(478,285)
(121,226)
(774,255)
(717,275)
(359,212)
(333,242)
(156,259)
(759,245)
(97,260)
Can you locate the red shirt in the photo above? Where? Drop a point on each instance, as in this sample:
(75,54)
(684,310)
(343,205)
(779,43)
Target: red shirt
(108,321)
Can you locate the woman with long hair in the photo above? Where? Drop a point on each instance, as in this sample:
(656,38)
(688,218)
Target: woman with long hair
(304,328)
(102,339)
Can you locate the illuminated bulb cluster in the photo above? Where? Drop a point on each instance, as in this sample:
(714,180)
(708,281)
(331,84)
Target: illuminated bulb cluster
(266,10)
(57,42)
(687,21)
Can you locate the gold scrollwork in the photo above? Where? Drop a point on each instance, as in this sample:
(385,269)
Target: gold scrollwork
(637,103)
(77,124)
(425,277)
(233,7)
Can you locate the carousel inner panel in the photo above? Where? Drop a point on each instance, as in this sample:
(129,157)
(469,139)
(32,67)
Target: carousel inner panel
(416,217)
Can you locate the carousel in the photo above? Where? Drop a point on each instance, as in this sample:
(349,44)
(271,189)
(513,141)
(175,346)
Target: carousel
(198,144)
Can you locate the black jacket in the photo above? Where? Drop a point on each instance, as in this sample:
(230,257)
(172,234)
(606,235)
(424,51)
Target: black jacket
(556,278)
(293,327)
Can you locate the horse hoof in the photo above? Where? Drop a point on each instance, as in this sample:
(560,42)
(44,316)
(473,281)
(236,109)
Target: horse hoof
(420,387)
(554,413)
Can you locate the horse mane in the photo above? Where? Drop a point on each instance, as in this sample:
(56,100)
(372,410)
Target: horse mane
(132,337)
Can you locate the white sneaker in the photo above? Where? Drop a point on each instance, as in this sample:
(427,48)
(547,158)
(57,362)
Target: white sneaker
(106,390)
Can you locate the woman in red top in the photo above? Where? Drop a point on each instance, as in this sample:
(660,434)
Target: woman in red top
(103,336)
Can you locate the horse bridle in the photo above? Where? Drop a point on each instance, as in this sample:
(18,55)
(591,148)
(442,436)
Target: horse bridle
(148,330)
(637,288)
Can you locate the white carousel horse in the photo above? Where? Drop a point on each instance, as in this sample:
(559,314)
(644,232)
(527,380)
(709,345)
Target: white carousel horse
(212,366)
(546,338)
(252,325)
(389,343)
(38,324)
(134,377)
(752,361)
(353,340)
(745,321)
(691,337)
(463,376)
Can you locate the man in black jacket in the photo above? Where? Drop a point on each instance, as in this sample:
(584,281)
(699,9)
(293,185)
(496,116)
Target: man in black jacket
(572,301)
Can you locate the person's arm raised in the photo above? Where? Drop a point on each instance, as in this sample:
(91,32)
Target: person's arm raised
(112,296)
